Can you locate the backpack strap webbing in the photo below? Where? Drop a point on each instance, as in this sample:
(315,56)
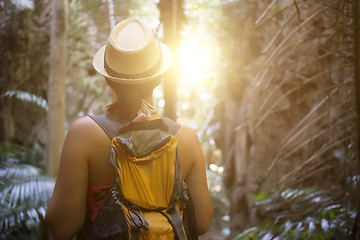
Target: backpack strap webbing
(136,223)
(175,221)
(173,126)
(110,127)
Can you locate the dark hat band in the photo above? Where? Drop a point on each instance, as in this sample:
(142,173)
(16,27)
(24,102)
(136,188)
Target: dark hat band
(148,73)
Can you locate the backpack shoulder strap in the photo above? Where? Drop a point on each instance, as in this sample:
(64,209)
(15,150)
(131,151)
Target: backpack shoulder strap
(173,126)
(110,127)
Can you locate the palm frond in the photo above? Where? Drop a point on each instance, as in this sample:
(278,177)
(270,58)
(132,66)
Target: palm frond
(307,213)
(23,4)
(27,97)
(11,219)
(29,191)
(20,171)
(24,194)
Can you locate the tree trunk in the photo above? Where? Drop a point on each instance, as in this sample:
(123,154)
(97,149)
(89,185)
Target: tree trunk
(57,82)
(172,17)
(356,7)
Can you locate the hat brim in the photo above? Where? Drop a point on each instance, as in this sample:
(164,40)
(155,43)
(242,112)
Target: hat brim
(98,63)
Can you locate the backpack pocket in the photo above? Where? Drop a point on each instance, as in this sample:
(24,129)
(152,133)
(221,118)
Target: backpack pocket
(148,182)
(110,222)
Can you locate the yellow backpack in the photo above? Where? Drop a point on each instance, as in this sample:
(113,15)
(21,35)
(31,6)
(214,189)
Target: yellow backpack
(149,199)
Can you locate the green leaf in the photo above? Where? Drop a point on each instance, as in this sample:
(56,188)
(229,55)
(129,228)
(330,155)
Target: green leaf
(287,227)
(249,233)
(267,236)
(260,196)
(325,225)
(311,228)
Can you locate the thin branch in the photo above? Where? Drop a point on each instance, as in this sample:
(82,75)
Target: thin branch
(293,136)
(265,12)
(272,16)
(306,21)
(313,157)
(272,41)
(286,78)
(297,10)
(315,172)
(319,134)
(316,76)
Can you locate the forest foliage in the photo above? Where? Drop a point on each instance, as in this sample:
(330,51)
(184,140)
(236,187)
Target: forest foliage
(296,103)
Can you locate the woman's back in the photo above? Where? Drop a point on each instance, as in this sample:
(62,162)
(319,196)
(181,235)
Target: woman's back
(84,164)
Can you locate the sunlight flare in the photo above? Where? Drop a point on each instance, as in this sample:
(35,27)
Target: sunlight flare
(196,62)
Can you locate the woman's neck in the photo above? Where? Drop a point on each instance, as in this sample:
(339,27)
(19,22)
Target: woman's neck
(146,108)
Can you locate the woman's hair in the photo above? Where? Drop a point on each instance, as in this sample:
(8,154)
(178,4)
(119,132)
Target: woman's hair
(129,98)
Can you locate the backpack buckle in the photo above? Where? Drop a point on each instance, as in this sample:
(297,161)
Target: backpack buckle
(137,219)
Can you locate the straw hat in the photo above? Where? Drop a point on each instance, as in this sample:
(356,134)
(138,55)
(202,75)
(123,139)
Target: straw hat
(133,54)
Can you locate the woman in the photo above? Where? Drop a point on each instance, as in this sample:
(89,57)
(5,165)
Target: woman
(132,62)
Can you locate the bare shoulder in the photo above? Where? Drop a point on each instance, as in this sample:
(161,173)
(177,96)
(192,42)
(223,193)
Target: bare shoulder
(186,134)
(84,128)
(87,137)
(82,124)
(188,142)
